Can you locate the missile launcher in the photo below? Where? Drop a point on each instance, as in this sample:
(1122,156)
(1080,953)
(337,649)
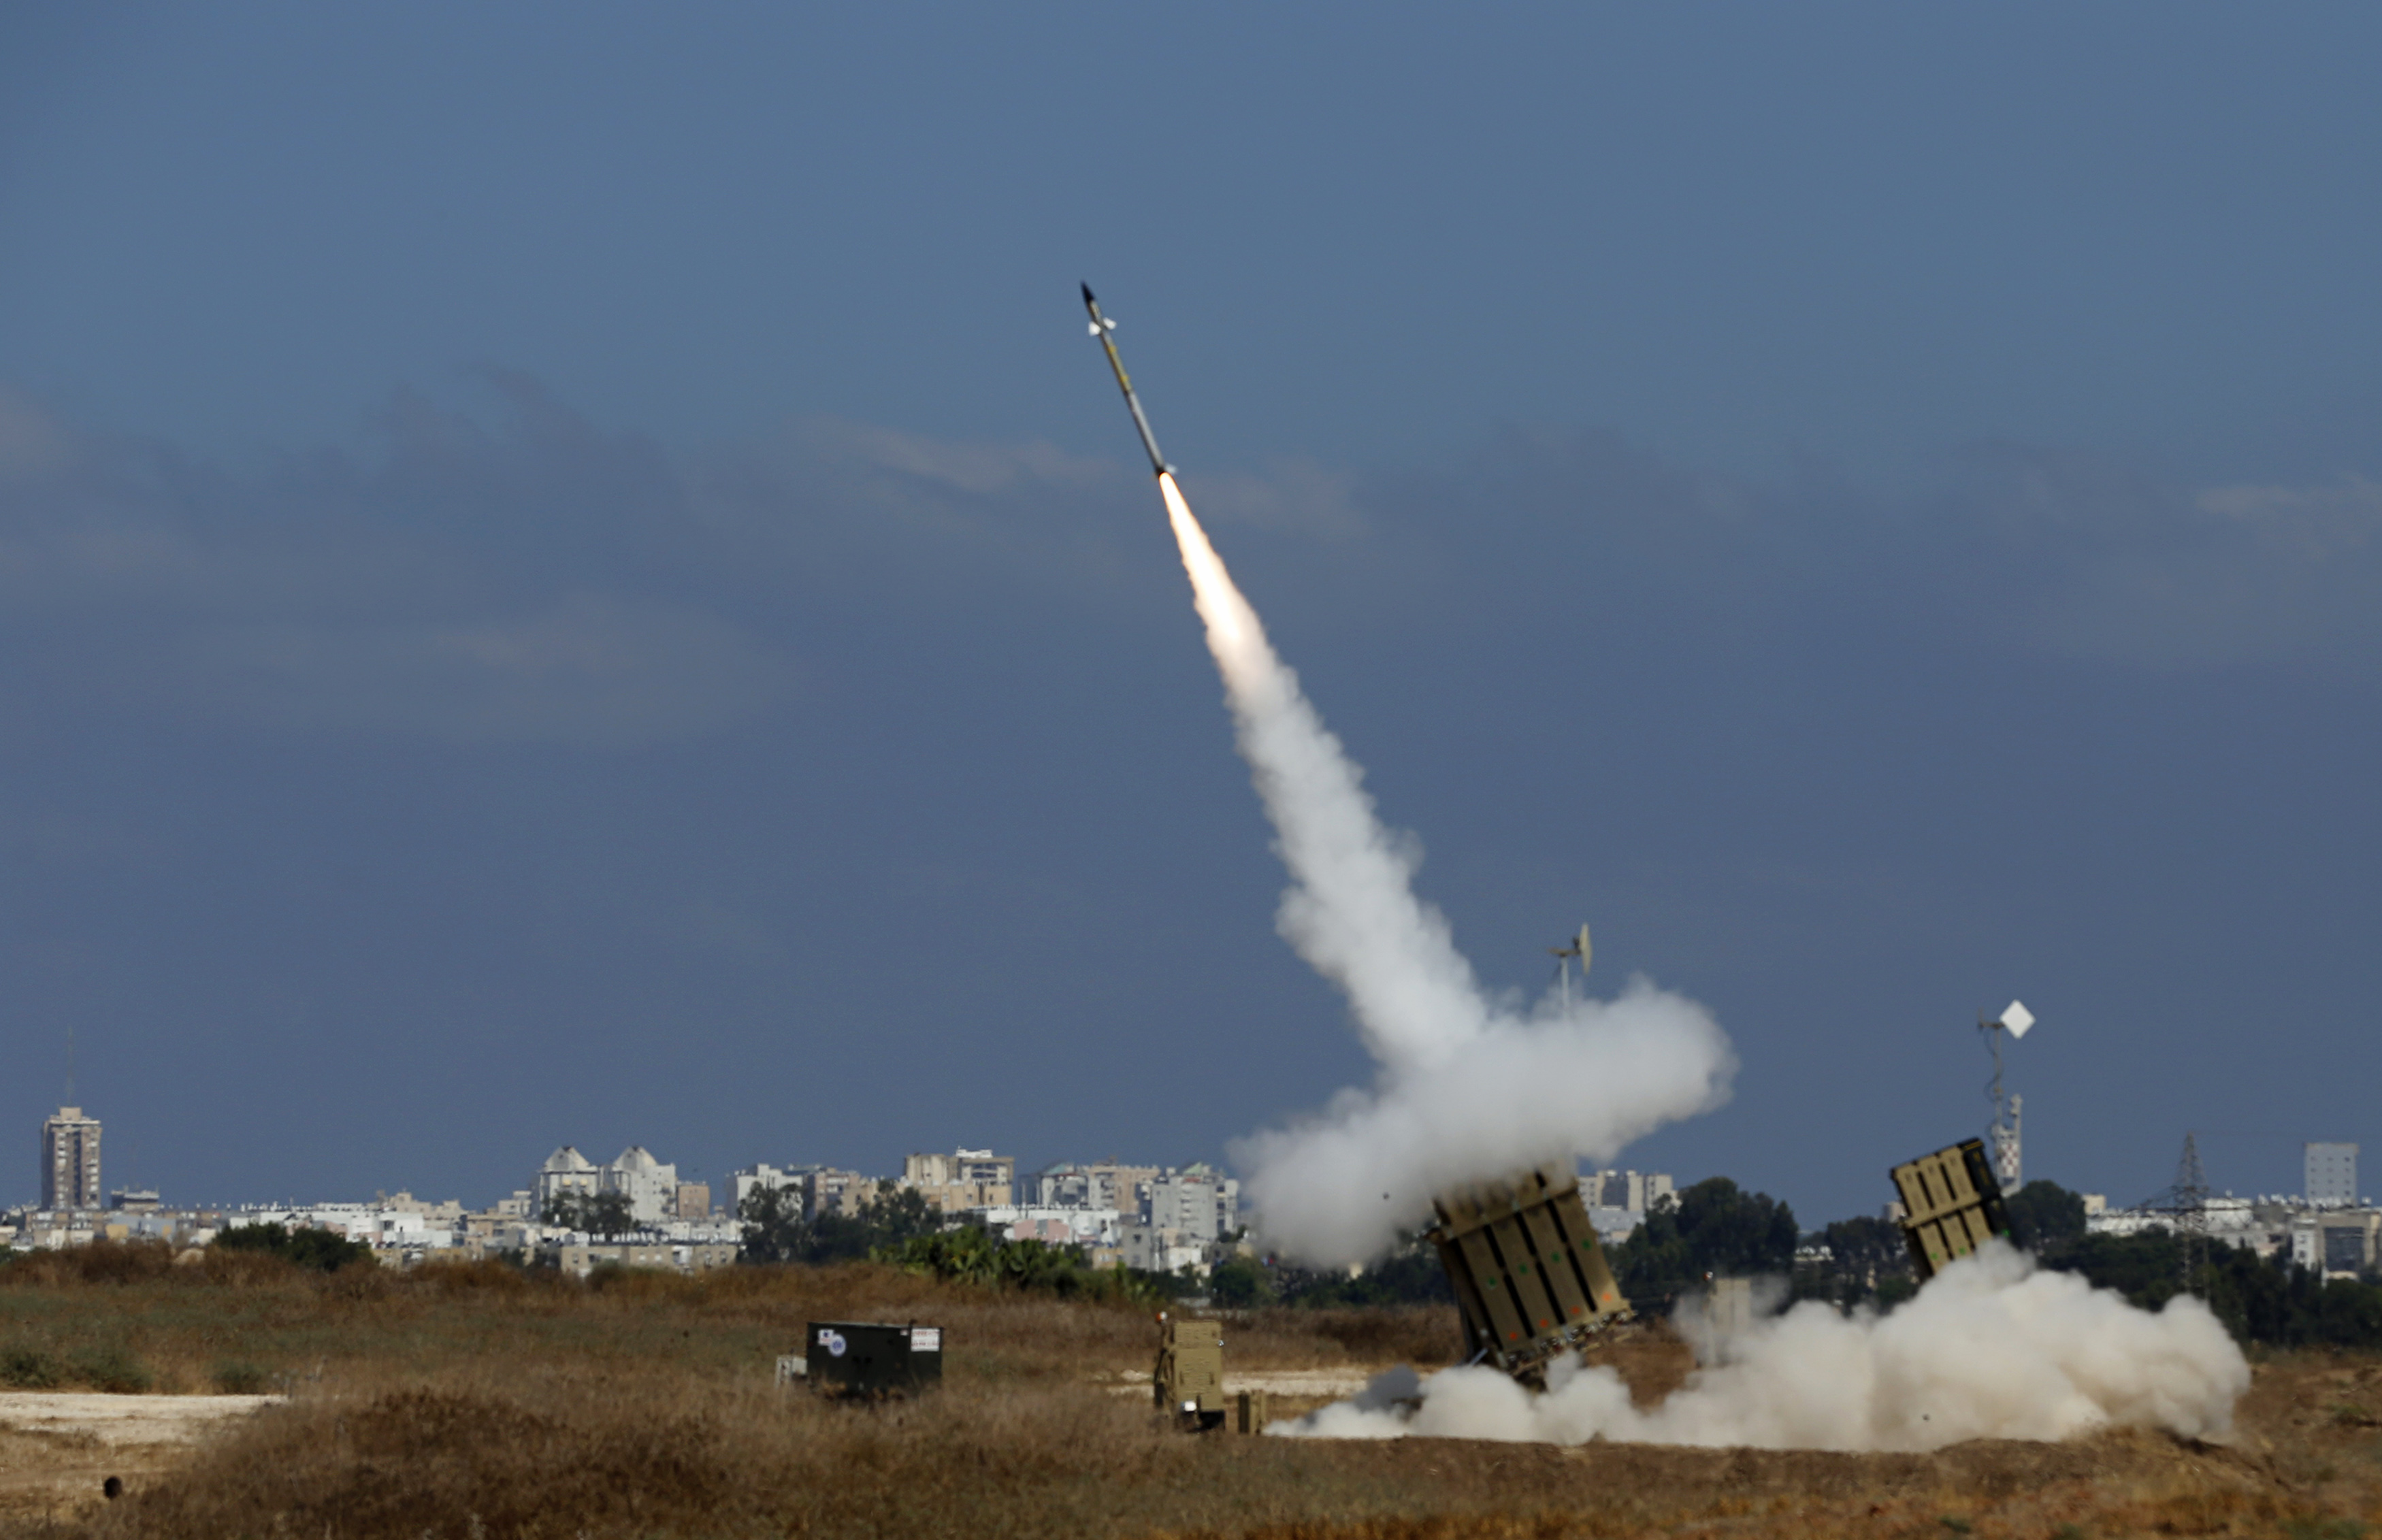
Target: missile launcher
(1529,1279)
(1951,1205)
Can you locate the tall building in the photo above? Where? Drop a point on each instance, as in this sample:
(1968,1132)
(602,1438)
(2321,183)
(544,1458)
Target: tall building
(1198,1202)
(2331,1176)
(651,1186)
(70,1160)
(566,1173)
(965,1178)
(1632,1190)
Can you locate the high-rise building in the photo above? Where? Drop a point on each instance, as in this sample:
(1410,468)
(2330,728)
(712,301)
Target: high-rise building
(650,1185)
(2332,1176)
(70,1160)
(566,1173)
(965,1178)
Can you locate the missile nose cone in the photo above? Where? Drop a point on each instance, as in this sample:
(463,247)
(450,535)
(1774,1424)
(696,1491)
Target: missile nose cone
(1087,294)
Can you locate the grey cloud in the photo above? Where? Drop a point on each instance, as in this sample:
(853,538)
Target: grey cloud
(1290,496)
(589,669)
(528,575)
(2102,561)
(468,584)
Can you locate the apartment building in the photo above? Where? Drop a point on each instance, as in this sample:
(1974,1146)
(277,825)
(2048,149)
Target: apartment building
(70,1161)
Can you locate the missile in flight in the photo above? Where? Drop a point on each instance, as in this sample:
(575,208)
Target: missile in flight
(1102,327)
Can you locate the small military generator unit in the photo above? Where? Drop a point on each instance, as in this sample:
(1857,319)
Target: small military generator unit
(1188,1380)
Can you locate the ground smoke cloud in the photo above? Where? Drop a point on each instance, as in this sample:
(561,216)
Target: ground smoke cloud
(1989,1349)
(1469,1091)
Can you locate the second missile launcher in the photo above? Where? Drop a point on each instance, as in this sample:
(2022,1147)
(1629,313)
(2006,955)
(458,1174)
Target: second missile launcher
(1951,1205)
(1530,1278)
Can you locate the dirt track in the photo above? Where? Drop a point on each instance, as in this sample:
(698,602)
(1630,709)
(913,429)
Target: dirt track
(57,1448)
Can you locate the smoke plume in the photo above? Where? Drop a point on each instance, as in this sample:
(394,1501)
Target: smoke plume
(1990,1348)
(1467,1089)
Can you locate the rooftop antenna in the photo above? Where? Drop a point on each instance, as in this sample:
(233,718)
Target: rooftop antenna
(1578,948)
(2002,1134)
(70,1066)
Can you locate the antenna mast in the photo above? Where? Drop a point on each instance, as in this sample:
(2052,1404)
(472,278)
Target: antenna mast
(1578,948)
(2002,1134)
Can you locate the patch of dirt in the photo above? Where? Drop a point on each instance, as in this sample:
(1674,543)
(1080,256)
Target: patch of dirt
(58,1449)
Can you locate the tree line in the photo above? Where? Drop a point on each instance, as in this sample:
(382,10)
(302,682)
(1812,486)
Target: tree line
(1711,1230)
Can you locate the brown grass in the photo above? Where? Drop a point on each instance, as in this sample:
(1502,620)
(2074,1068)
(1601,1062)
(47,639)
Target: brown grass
(481,1401)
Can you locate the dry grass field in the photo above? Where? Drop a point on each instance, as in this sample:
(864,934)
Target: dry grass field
(479,1402)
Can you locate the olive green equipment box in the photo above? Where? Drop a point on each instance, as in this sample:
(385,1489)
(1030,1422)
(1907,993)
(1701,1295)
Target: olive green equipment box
(1951,1205)
(1188,1384)
(1189,1381)
(1531,1279)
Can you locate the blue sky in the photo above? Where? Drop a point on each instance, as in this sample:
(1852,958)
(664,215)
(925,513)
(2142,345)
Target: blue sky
(572,576)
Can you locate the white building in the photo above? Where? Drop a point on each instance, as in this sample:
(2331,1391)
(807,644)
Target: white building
(1199,1202)
(1155,1250)
(761,1178)
(650,1186)
(566,1171)
(1106,1184)
(1634,1191)
(2332,1176)
(1053,1225)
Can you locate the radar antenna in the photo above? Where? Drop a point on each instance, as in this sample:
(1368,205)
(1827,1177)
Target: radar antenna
(2002,1134)
(1563,955)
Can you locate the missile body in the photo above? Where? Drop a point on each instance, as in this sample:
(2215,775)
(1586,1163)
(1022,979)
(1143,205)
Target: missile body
(1102,327)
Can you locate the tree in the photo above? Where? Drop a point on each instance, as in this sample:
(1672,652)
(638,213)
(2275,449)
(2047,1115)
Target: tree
(1241,1283)
(1712,1229)
(897,1214)
(600,1214)
(776,1230)
(2045,1216)
(1410,1274)
(1865,1260)
(307,1246)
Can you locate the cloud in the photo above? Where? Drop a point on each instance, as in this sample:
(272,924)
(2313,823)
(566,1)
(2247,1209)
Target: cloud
(521,583)
(32,442)
(588,669)
(2090,559)
(1291,495)
(514,572)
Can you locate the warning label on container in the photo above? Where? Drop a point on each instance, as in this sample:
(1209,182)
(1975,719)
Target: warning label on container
(925,1340)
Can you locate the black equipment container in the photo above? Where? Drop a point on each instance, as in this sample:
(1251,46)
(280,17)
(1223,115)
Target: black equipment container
(859,1358)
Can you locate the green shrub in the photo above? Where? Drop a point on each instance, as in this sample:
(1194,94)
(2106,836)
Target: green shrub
(241,1380)
(28,1369)
(112,1368)
(305,1247)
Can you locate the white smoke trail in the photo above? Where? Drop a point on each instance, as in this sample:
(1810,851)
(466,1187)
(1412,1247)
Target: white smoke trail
(1466,1091)
(1989,1349)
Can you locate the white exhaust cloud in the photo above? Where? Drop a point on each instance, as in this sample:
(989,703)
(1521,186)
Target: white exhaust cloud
(1467,1089)
(1991,1348)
